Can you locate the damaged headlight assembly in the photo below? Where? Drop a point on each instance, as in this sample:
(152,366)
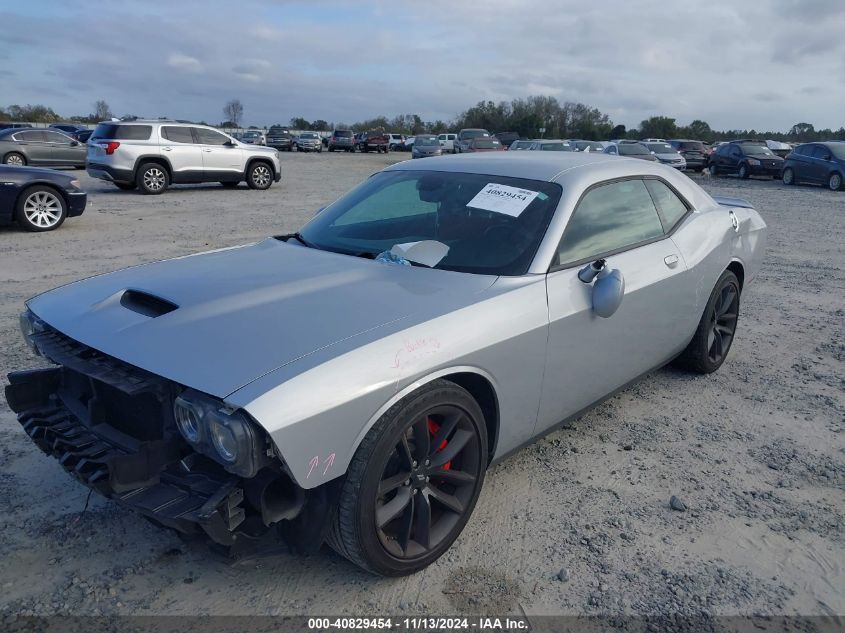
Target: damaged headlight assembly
(30,326)
(224,434)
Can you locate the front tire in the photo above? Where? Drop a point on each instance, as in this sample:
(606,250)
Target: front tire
(152,179)
(41,208)
(714,171)
(413,482)
(715,333)
(788,176)
(259,176)
(834,183)
(743,172)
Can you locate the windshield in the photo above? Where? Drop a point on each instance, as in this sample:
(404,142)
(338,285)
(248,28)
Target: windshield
(633,149)
(425,142)
(661,148)
(693,146)
(468,134)
(556,147)
(251,134)
(486,143)
(279,131)
(593,145)
(456,209)
(308,135)
(343,133)
(751,148)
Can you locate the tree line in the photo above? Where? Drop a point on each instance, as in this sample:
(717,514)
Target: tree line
(525,116)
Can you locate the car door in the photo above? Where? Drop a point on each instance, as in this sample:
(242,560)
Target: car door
(33,145)
(589,356)
(819,164)
(63,149)
(179,147)
(221,160)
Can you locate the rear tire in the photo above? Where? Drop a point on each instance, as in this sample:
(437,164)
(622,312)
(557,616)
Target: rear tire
(41,208)
(14,159)
(715,333)
(152,179)
(385,520)
(834,183)
(259,176)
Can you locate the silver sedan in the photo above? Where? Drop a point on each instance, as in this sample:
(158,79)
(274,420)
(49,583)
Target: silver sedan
(353,381)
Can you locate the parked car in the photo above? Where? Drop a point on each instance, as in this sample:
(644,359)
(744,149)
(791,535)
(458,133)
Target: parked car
(373,141)
(695,153)
(506,138)
(308,142)
(447,142)
(745,158)
(779,149)
(253,137)
(466,135)
(39,199)
(279,138)
(630,149)
(40,148)
(653,140)
(585,146)
(341,140)
(817,163)
(397,142)
(82,135)
(152,155)
(482,144)
(409,143)
(67,128)
(667,154)
(363,401)
(520,145)
(550,145)
(6,125)
(426,145)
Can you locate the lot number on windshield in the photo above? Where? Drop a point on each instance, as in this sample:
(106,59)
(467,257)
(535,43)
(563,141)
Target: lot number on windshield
(503,199)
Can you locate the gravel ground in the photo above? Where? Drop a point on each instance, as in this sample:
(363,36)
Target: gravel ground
(578,523)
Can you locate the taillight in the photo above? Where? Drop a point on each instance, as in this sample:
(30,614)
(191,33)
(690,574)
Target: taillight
(111,146)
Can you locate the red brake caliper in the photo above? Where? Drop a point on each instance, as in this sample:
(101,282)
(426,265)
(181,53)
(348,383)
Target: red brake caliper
(433,428)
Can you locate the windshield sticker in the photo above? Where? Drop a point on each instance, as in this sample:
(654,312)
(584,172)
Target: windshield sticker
(503,199)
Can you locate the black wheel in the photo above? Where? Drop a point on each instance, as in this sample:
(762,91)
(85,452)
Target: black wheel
(714,171)
(41,208)
(152,178)
(413,482)
(834,183)
(14,159)
(712,340)
(743,171)
(259,176)
(126,186)
(230,185)
(788,176)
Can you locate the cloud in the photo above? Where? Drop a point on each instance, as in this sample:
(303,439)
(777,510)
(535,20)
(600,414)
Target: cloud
(185,62)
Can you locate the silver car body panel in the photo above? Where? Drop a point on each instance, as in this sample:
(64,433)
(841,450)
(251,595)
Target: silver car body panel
(316,346)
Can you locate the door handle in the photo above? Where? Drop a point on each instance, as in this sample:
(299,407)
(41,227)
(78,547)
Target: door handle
(167,149)
(671,260)
(206,150)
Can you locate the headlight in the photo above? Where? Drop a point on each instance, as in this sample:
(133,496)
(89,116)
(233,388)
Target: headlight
(226,435)
(753,161)
(76,184)
(30,326)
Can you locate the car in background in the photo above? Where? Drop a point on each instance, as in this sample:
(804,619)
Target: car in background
(816,163)
(373,141)
(667,154)
(308,142)
(520,145)
(409,143)
(40,148)
(396,142)
(506,138)
(466,135)
(550,145)
(483,144)
(253,137)
(778,148)
(8,125)
(745,158)
(279,138)
(39,199)
(447,141)
(341,140)
(68,128)
(426,145)
(82,135)
(630,149)
(653,140)
(153,154)
(695,153)
(580,145)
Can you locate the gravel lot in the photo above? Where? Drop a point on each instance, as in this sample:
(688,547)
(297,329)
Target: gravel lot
(579,523)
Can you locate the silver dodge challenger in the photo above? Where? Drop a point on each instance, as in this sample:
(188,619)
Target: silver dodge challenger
(352,382)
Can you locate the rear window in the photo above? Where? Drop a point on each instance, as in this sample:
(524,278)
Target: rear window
(634,149)
(693,146)
(117,132)
(343,133)
(486,144)
(468,134)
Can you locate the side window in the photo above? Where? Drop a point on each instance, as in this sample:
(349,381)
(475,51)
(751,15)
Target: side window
(820,151)
(610,217)
(210,137)
(30,136)
(55,137)
(177,134)
(671,207)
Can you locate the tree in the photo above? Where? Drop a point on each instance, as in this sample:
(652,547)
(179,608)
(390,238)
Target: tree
(803,131)
(699,129)
(234,111)
(102,112)
(658,127)
(618,131)
(320,125)
(298,123)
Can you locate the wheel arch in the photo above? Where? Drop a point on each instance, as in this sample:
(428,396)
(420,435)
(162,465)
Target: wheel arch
(19,153)
(737,268)
(263,159)
(153,158)
(41,183)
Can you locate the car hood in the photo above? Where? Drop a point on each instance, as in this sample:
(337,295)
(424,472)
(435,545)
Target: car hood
(245,311)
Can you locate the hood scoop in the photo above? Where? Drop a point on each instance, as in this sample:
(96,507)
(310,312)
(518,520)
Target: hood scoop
(146,304)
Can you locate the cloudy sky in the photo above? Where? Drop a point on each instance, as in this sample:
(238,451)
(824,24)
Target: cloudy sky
(763,65)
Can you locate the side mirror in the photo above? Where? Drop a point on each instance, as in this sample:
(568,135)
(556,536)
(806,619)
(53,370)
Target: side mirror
(608,289)
(826,157)
(231,143)
(74,143)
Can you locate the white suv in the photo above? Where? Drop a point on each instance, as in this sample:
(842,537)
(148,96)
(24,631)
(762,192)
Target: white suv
(150,155)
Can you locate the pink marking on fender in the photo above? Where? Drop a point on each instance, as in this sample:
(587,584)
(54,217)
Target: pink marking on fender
(329,462)
(313,463)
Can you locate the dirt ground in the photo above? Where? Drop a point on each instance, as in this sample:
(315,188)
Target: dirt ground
(579,523)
